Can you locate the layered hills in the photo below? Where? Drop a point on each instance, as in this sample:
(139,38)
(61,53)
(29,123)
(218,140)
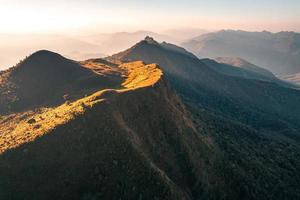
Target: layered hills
(277,52)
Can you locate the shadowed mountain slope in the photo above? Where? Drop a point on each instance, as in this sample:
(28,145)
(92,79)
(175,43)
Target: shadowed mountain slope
(252,122)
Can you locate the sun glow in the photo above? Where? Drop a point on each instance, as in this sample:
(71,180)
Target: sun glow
(55,16)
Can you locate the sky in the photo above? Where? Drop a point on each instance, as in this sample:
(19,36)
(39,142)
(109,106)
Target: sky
(56,16)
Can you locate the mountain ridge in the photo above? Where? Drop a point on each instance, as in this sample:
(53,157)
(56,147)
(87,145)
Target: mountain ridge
(247,120)
(107,146)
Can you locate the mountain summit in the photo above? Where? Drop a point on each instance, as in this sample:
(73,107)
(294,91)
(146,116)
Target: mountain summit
(150,40)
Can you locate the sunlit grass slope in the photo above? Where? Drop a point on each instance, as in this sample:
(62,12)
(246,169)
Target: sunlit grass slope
(17,129)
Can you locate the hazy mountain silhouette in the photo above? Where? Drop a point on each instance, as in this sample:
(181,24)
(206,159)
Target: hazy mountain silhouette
(14,47)
(183,34)
(277,52)
(114,42)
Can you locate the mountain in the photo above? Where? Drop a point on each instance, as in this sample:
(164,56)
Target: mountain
(196,80)
(44,78)
(159,124)
(133,141)
(150,51)
(277,52)
(250,123)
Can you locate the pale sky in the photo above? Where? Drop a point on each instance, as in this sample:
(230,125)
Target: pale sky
(34,16)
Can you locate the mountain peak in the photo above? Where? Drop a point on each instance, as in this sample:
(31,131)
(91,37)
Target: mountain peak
(150,40)
(44,53)
(44,59)
(40,56)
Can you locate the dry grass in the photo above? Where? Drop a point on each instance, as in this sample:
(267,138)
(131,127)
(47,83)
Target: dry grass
(20,128)
(101,68)
(140,75)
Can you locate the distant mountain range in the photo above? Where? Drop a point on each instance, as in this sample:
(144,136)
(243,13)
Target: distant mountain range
(114,42)
(151,122)
(183,34)
(14,47)
(277,52)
